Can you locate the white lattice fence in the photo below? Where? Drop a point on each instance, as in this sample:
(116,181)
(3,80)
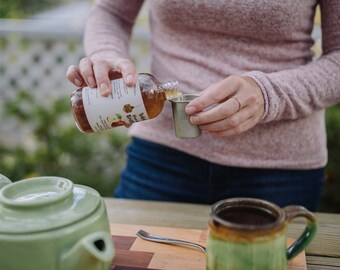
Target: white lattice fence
(36,61)
(37,64)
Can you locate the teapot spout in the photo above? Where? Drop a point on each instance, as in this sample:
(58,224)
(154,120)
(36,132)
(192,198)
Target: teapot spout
(4,181)
(94,251)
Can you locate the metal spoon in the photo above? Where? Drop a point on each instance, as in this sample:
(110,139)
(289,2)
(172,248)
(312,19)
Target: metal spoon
(146,236)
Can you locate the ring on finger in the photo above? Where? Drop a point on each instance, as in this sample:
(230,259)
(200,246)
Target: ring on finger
(239,103)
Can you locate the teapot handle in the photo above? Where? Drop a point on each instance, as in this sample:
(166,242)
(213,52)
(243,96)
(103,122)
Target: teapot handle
(4,181)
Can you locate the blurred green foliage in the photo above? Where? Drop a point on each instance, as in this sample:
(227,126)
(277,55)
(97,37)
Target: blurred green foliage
(331,194)
(56,147)
(20,9)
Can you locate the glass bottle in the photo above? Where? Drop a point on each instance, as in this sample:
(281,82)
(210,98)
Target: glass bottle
(125,105)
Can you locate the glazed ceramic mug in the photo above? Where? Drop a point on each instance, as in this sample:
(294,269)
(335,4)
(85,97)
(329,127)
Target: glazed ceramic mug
(247,233)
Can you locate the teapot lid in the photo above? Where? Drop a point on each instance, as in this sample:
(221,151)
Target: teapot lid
(44,203)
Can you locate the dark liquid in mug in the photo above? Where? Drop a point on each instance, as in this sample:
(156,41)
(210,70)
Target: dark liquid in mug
(246,215)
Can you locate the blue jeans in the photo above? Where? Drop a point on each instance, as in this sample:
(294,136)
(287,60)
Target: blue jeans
(157,172)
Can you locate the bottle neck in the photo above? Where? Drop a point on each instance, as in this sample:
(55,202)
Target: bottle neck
(170,89)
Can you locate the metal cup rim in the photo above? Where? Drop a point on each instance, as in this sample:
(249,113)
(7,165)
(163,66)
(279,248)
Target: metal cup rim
(180,99)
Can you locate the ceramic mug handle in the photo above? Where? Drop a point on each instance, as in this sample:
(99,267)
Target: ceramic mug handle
(308,234)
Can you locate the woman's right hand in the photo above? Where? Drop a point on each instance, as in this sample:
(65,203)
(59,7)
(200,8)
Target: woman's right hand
(98,73)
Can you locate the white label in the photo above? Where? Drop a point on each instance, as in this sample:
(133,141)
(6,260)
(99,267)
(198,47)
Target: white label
(123,106)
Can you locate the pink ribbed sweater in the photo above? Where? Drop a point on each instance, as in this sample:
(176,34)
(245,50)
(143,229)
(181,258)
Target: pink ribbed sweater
(200,43)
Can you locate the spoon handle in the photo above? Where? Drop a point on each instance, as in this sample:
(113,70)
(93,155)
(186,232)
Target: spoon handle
(154,238)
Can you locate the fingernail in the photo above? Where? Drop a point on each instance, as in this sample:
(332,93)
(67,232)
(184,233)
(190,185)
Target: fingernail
(194,120)
(104,89)
(77,82)
(91,82)
(190,110)
(130,79)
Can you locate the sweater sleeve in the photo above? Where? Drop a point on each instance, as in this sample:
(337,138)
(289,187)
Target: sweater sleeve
(109,28)
(298,92)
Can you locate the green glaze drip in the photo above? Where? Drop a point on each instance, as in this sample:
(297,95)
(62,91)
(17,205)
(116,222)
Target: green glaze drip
(264,255)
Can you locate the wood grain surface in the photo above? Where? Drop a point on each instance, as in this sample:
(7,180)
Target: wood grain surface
(322,254)
(133,253)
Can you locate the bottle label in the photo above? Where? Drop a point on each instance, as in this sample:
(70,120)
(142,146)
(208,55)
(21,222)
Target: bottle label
(123,106)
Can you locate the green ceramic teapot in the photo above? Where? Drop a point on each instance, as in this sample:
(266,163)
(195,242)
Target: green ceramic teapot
(48,223)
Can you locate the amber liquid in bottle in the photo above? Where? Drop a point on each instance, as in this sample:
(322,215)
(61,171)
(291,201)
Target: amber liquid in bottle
(154,94)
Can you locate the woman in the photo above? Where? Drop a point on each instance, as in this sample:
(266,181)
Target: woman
(262,97)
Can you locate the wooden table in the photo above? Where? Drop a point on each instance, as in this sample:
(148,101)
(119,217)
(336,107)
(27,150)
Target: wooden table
(322,254)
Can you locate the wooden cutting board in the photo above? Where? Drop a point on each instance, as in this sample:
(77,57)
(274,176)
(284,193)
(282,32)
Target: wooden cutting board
(133,253)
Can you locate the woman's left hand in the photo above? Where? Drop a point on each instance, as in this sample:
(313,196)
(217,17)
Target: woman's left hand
(229,107)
